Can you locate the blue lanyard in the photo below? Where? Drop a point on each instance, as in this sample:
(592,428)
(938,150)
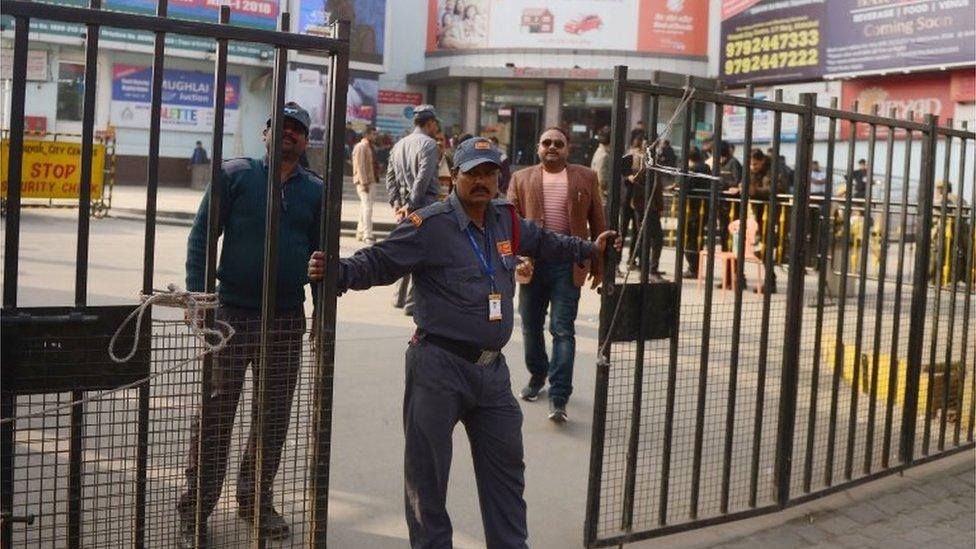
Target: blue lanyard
(486,265)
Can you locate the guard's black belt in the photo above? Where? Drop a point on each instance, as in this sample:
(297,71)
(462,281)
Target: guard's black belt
(471,353)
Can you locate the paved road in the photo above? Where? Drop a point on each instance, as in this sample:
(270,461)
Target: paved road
(366,502)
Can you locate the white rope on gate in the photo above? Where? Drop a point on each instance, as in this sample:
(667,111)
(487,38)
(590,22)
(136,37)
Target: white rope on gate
(194,303)
(686,98)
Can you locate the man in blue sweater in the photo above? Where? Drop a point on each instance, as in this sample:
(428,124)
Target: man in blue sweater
(240,272)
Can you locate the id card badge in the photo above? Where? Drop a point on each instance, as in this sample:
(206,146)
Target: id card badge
(494,307)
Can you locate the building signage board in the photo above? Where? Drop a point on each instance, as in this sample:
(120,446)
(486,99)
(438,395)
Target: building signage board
(395,111)
(187,99)
(261,14)
(668,27)
(920,94)
(772,41)
(52,169)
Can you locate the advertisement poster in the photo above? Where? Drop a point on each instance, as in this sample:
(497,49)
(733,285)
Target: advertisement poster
(262,14)
(187,99)
(309,88)
(734,121)
(394,114)
(766,41)
(361,100)
(368,19)
(878,36)
(772,41)
(676,27)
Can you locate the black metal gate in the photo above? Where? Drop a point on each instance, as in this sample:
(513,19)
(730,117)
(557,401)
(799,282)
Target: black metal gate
(714,405)
(92,451)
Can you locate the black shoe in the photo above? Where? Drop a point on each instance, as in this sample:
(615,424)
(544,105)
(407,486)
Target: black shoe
(408,311)
(273,525)
(557,412)
(531,391)
(188,536)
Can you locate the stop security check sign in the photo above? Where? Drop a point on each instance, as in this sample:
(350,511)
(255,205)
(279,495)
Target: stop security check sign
(52,169)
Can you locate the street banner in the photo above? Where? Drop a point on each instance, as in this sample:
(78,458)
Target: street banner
(187,99)
(775,41)
(368,18)
(52,169)
(670,27)
(259,14)
(394,113)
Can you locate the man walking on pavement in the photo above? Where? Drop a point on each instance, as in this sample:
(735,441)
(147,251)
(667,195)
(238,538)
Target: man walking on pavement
(565,199)
(242,224)
(601,163)
(411,179)
(199,167)
(463,253)
(364,176)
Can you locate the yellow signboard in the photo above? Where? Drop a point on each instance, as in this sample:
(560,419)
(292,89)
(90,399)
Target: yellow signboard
(52,169)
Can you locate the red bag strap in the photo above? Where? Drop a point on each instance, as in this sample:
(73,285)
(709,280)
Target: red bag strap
(516,229)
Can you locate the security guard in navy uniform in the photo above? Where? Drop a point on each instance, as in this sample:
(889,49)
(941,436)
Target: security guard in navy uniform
(462,254)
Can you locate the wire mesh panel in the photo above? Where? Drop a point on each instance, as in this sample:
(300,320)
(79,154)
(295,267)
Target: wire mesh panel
(108,442)
(822,332)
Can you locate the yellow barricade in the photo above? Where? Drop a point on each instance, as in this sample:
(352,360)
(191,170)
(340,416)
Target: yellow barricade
(52,169)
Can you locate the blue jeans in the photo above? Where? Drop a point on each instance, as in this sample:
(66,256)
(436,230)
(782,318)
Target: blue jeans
(551,289)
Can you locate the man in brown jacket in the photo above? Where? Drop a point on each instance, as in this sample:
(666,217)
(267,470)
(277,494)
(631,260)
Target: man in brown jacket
(364,176)
(563,198)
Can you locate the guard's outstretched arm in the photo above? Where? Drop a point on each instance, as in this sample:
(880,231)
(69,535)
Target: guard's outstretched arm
(379,265)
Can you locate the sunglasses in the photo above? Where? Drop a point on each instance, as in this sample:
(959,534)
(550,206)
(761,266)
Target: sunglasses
(552,143)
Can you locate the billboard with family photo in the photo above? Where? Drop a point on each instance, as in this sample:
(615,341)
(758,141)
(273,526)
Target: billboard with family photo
(666,27)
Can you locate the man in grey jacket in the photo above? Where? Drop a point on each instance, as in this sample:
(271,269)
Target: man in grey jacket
(411,179)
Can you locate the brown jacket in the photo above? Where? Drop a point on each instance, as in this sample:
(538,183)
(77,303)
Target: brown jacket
(586,218)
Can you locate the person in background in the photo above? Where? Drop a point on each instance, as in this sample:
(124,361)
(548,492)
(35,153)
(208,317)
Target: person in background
(818,179)
(858,179)
(364,175)
(697,187)
(199,162)
(632,207)
(601,163)
(411,180)
(443,165)
(565,199)
(505,175)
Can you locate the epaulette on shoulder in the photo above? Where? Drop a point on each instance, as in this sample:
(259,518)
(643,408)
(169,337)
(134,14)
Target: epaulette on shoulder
(502,202)
(314,176)
(418,217)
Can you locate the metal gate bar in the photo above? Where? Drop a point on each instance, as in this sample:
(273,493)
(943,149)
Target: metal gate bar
(641,488)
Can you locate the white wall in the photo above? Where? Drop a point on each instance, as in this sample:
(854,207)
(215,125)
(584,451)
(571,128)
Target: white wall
(406,40)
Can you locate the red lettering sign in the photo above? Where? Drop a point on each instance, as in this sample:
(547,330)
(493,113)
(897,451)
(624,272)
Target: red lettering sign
(919,94)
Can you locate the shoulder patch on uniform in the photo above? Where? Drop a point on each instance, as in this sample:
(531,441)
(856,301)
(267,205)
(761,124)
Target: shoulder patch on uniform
(416,219)
(504,247)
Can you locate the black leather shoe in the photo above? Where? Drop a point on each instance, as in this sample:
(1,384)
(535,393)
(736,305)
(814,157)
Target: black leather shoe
(689,274)
(188,536)
(273,525)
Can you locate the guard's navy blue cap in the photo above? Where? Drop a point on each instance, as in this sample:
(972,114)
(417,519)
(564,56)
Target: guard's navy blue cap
(297,113)
(474,152)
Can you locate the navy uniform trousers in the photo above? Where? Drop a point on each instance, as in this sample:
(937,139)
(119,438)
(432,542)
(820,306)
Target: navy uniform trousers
(443,389)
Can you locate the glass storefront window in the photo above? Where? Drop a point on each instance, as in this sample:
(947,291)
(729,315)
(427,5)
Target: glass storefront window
(586,110)
(447,102)
(512,113)
(71,91)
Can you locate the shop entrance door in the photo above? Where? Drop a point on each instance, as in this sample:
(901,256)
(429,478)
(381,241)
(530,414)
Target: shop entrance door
(525,134)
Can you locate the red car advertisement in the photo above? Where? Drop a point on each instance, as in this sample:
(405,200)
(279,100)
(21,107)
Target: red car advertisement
(583,23)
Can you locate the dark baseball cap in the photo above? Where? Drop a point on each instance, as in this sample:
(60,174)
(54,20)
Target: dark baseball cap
(474,152)
(297,113)
(423,113)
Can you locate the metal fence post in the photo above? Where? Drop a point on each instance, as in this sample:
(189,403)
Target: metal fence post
(325,307)
(606,308)
(920,289)
(794,304)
